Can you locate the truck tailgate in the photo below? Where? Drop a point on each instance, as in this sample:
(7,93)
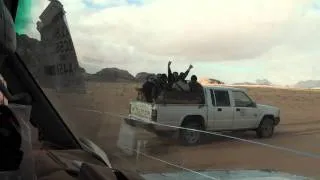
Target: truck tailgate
(141,111)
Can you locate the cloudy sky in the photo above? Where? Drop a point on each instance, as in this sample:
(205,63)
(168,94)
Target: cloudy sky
(230,40)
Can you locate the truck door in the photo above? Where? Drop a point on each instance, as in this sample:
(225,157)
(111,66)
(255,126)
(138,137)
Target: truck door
(221,111)
(245,111)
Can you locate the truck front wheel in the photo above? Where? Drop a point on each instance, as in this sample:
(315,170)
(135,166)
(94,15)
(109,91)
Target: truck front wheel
(190,137)
(266,128)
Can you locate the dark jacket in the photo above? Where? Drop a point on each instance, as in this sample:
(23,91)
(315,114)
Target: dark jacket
(195,87)
(158,88)
(147,89)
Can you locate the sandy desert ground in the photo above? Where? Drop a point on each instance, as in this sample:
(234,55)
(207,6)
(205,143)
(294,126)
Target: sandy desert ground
(98,116)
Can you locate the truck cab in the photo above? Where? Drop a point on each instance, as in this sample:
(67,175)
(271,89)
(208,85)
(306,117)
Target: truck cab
(231,108)
(224,109)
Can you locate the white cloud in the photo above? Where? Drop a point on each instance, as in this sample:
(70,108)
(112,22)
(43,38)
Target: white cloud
(104,3)
(281,35)
(206,29)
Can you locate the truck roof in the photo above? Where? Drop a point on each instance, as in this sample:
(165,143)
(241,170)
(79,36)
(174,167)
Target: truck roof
(223,87)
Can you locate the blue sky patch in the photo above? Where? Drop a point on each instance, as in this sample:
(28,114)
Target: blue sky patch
(316,5)
(24,16)
(92,5)
(115,3)
(135,2)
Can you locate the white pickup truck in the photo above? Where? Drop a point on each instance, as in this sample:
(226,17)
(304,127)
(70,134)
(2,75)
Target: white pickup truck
(224,109)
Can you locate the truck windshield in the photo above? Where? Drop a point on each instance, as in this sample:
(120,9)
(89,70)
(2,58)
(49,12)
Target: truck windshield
(241,99)
(93,58)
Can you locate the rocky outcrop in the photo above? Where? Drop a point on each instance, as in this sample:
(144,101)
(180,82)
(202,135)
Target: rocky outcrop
(111,75)
(209,81)
(35,56)
(142,76)
(245,83)
(30,50)
(262,82)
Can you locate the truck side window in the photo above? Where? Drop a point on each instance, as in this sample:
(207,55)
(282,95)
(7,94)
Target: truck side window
(222,98)
(213,99)
(241,99)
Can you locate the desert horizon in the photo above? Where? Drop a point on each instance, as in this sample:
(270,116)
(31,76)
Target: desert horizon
(205,80)
(98,115)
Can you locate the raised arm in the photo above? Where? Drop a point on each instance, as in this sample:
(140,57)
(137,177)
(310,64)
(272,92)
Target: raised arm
(185,74)
(170,76)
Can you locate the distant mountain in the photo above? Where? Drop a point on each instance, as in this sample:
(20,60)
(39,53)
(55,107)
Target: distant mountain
(209,81)
(263,82)
(308,84)
(244,83)
(111,75)
(142,76)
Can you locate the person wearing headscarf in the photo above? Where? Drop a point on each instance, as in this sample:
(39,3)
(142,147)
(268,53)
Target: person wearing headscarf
(183,75)
(194,85)
(172,77)
(147,87)
(181,84)
(160,85)
(175,77)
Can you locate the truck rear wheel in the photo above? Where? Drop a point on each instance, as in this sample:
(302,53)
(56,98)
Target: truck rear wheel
(190,137)
(266,128)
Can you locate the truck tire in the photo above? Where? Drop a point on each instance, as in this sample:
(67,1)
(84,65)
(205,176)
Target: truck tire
(189,137)
(266,128)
